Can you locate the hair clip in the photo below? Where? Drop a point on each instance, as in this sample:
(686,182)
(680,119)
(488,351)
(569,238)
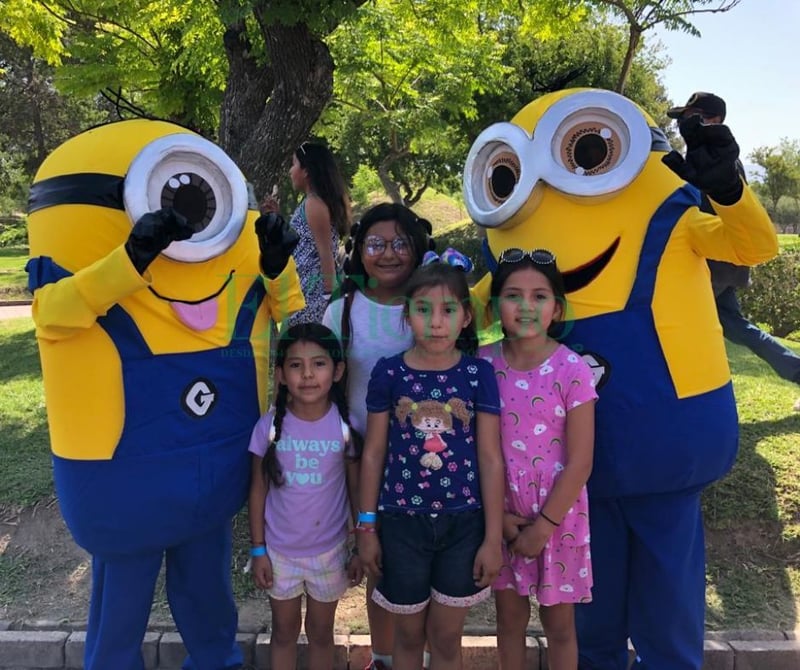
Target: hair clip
(449,256)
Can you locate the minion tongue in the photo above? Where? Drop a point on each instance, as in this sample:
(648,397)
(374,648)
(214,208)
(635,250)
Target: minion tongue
(200,316)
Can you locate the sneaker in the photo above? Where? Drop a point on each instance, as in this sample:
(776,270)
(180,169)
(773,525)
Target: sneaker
(796,406)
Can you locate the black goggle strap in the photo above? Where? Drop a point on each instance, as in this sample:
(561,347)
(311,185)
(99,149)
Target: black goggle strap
(89,188)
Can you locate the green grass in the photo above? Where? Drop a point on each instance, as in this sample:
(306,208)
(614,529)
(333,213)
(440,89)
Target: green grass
(752,516)
(24,444)
(13,278)
(789,241)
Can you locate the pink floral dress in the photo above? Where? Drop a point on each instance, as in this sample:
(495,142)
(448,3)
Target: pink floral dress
(534,406)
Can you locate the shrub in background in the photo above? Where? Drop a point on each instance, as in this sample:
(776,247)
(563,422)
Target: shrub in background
(13,232)
(773,297)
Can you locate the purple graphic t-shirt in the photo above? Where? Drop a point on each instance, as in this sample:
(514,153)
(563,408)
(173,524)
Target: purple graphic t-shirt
(307,515)
(432,459)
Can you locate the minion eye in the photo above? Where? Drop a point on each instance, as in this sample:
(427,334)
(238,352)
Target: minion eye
(191,195)
(196,178)
(591,147)
(502,175)
(497,179)
(592,143)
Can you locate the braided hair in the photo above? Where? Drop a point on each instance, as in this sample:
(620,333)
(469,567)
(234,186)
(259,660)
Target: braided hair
(416,229)
(322,336)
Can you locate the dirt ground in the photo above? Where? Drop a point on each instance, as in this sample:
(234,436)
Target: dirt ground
(45,576)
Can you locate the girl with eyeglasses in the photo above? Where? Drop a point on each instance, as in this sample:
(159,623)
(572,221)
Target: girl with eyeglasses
(547,436)
(385,247)
(321,219)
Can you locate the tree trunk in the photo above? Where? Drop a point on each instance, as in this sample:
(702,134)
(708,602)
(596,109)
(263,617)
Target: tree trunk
(267,112)
(391,187)
(634,34)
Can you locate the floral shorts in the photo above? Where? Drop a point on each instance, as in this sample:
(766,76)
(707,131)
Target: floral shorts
(323,577)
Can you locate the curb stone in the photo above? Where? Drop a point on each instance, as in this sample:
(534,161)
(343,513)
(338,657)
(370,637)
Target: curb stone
(31,646)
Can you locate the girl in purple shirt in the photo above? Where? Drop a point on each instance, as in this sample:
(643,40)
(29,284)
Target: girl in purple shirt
(302,495)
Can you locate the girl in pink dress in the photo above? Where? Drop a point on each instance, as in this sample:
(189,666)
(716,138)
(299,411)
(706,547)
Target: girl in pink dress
(547,401)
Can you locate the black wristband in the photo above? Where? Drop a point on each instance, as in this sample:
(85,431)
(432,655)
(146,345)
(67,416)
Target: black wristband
(547,518)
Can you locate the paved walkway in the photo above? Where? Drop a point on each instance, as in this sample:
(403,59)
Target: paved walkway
(14,311)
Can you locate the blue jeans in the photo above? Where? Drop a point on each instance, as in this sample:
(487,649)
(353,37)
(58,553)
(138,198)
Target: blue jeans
(739,330)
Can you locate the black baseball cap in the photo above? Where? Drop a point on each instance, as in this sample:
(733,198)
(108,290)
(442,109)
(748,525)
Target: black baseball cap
(707,103)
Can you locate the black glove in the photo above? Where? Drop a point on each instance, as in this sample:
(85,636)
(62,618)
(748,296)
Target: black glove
(153,233)
(276,240)
(710,163)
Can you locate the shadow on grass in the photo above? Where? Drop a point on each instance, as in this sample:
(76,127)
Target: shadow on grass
(25,452)
(19,356)
(752,544)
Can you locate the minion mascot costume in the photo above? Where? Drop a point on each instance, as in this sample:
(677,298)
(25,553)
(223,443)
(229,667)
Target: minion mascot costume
(580,172)
(152,320)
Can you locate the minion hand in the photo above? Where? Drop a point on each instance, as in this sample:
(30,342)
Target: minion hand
(153,233)
(710,163)
(276,240)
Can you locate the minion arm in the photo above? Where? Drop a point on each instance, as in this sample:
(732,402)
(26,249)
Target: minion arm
(742,233)
(71,305)
(284,295)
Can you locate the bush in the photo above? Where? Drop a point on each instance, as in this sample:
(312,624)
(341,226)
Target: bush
(773,297)
(13,232)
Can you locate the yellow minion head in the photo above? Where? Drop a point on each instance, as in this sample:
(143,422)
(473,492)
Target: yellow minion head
(90,191)
(577,172)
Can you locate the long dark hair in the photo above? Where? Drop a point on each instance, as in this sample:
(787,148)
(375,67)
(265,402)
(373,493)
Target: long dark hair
(551,273)
(416,229)
(326,182)
(320,335)
(454,279)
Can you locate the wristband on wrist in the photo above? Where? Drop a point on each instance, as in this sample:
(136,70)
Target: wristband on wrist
(548,519)
(260,550)
(367,517)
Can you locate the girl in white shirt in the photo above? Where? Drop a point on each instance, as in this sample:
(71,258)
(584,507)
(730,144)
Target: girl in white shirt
(388,244)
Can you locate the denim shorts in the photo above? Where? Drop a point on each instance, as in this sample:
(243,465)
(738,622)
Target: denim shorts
(429,556)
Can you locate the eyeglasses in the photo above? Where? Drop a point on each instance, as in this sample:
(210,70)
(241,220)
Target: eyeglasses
(538,256)
(302,148)
(376,245)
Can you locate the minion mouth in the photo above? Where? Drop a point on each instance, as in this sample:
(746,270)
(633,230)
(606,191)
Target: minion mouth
(198,315)
(582,276)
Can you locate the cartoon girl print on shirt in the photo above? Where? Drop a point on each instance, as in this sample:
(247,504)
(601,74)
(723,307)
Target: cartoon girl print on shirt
(432,418)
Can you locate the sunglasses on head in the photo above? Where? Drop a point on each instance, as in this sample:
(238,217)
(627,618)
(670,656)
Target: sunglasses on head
(538,256)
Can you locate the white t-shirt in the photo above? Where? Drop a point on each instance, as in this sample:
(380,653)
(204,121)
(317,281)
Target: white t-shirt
(377,331)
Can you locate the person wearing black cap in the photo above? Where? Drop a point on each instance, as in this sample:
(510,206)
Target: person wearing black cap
(727,278)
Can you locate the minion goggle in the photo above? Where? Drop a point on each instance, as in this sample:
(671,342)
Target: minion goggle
(183,171)
(588,144)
